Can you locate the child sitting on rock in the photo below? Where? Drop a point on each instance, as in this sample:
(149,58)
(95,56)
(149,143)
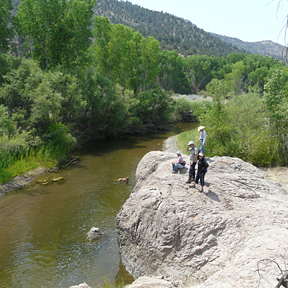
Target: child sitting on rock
(179,163)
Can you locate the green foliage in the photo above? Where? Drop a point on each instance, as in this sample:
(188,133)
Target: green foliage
(58,137)
(183,105)
(276,96)
(125,56)
(201,69)
(239,128)
(258,77)
(172,75)
(249,71)
(39,98)
(235,78)
(108,285)
(58,32)
(253,139)
(276,100)
(105,111)
(34,107)
(154,107)
(6,21)
(184,138)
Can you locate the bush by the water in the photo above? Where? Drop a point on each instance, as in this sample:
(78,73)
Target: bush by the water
(240,127)
(183,105)
(44,113)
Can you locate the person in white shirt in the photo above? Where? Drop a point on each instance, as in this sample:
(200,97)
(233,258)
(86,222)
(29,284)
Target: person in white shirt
(202,137)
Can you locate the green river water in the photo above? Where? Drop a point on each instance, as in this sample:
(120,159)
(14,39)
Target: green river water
(43,228)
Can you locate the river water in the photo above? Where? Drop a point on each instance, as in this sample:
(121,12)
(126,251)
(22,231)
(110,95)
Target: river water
(43,228)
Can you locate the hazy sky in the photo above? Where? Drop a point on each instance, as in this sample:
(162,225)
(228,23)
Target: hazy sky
(248,20)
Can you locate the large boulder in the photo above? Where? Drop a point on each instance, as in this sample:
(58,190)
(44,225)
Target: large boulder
(213,239)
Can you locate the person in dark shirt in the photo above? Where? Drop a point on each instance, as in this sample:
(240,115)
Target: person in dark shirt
(202,168)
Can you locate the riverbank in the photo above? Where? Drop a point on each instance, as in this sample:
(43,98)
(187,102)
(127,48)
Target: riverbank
(21,181)
(23,178)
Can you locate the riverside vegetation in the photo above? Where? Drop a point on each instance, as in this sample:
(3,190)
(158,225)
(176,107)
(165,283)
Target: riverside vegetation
(58,88)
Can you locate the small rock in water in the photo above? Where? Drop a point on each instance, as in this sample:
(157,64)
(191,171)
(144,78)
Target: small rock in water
(82,285)
(94,233)
(58,179)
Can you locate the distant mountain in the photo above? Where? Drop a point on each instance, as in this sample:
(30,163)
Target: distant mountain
(263,48)
(172,32)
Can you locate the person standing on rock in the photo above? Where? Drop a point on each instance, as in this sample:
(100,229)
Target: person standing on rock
(202,168)
(193,160)
(202,138)
(179,163)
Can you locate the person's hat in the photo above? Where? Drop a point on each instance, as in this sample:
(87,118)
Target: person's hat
(201,154)
(190,143)
(200,128)
(178,153)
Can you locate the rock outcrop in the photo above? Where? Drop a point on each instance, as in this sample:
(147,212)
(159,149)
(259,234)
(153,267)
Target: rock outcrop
(210,239)
(94,233)
(21,181)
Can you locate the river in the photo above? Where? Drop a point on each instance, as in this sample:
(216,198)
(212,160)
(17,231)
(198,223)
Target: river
(43,228)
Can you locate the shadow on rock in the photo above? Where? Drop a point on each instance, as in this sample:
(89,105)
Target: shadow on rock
(213,196)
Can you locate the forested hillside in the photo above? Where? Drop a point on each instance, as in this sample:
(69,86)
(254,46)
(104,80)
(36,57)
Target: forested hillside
(172,32)
(264,48)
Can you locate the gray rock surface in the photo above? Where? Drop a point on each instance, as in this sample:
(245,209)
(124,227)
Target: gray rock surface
(146,281)
(210,239)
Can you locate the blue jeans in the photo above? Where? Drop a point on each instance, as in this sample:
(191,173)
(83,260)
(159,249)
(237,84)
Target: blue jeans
(176,166)
(201,177)
(192,170)
(202,147)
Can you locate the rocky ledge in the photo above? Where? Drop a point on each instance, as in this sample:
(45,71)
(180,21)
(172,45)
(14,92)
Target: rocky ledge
(21,181)
(232,235)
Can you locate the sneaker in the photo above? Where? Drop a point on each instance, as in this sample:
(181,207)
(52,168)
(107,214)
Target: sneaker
(188,181)
(201,190)
(174,172)
(193,179)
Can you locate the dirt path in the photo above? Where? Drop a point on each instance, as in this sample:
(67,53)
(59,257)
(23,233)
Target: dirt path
(278,174)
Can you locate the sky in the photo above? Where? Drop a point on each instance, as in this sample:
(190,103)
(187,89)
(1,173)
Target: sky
(248,20)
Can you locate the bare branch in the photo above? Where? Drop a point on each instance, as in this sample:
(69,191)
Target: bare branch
(258,270)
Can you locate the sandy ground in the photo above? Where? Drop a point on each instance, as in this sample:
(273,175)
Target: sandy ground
(278,174)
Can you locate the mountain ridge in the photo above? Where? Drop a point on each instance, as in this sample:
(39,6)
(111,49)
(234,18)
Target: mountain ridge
(171,31)
(263,47)
(181,34)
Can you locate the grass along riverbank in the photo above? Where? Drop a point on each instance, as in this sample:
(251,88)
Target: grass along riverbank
(15,165)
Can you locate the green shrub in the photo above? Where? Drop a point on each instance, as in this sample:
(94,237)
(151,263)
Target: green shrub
(184,104)
(238,128)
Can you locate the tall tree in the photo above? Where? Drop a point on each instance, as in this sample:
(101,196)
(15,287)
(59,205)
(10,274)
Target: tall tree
(6,29)
(58,31)
(125,56)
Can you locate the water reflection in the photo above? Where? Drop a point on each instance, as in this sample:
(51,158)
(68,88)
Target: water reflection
(42,239)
